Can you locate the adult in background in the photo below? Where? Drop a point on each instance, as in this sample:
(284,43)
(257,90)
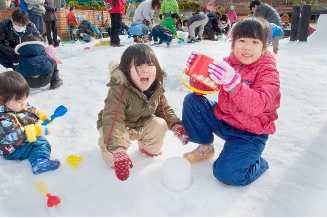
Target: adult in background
(168,7)
(144,12)
(265,11)
(35,12)
(50,20)
(12,30)
(116,9)
(232,16)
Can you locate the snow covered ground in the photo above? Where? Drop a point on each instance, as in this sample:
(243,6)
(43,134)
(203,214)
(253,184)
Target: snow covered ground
(295,184)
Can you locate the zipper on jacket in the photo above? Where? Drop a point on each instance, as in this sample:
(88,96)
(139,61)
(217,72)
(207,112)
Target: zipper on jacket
(144,104)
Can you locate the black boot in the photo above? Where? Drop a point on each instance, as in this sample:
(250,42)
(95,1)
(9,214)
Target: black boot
(55,82)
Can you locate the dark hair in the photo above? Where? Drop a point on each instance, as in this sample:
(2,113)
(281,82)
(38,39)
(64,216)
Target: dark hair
(71,8)
(30,37)
(156,4)
(20,16)
(175,15)
(184,21)
(254,3)
(13,86)
(140,54)
(252,27)
(224,17)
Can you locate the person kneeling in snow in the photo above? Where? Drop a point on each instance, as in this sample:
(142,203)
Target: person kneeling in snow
(35,65)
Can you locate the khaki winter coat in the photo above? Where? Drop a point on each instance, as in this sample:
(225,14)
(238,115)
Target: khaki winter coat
(134,110)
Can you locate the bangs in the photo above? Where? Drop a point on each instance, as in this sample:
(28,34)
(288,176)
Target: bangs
(144,56)
(252,27)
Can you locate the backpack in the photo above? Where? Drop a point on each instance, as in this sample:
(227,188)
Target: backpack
(95,28)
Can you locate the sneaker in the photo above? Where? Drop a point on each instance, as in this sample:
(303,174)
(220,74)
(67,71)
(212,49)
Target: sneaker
(160,42)
(56,84)
(200,153)
(149,154)
(168,44)
(44,165)
(198,39)
(191,41)
(155,44)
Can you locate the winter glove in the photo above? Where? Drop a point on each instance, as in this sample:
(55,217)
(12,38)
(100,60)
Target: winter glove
(33,130)
(223,74)
(122,164)
(180,132)
(43,116)
(191,59)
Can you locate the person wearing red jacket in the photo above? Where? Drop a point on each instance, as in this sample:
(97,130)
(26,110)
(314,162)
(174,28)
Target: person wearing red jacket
(246,110)
(72,23)
(116,9)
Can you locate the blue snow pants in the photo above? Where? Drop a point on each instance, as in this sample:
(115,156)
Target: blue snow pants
(35,150)
(162,36)
(240,161)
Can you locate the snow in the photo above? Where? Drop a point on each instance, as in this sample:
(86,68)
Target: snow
(295,184)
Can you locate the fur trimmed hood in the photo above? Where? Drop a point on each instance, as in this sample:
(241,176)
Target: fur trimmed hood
(116,75)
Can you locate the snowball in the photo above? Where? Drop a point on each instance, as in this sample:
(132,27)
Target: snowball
(176,174)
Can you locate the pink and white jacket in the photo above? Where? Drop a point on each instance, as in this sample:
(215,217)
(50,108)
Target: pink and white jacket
(252,106)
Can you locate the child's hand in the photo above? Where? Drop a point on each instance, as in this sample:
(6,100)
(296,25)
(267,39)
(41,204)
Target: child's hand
(191,59)
(33,130)
(43,116)
(122,164)
(223,74)
(180,132)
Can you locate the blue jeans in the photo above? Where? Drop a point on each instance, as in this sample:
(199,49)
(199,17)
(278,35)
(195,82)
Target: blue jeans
(37,19)
(32,151)
(240,161)
(162,36)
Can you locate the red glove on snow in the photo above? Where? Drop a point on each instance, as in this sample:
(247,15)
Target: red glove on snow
(122,164)
(181,133)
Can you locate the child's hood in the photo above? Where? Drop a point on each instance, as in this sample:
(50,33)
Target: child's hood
(30,48)
(116,75)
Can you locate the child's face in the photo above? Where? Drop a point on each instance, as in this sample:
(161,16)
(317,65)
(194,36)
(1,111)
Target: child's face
(248,50)
(143,76)
(15,105)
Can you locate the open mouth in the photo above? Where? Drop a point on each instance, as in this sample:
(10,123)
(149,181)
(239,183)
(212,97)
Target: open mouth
(247,55)
(144,80)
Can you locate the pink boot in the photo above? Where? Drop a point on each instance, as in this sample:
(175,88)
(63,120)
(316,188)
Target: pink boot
(147,153)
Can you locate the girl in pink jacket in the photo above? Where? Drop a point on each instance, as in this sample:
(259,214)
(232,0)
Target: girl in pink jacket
(246,110)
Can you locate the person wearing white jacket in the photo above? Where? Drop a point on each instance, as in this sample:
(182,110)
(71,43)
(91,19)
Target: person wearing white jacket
(144,12)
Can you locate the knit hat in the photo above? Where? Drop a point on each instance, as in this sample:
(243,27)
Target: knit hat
(231,8)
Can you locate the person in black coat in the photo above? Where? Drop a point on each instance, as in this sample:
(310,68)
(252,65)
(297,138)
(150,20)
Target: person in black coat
(11,32)
(50,19)
(266,11)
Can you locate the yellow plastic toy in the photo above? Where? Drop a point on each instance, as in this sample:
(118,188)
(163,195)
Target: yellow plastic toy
(73,160)
(103,42)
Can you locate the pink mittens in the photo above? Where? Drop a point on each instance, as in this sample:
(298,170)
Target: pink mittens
(223,74)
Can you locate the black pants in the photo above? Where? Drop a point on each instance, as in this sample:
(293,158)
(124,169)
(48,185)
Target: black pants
(116,20)
(7,60)
(44,79)
(51,26)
